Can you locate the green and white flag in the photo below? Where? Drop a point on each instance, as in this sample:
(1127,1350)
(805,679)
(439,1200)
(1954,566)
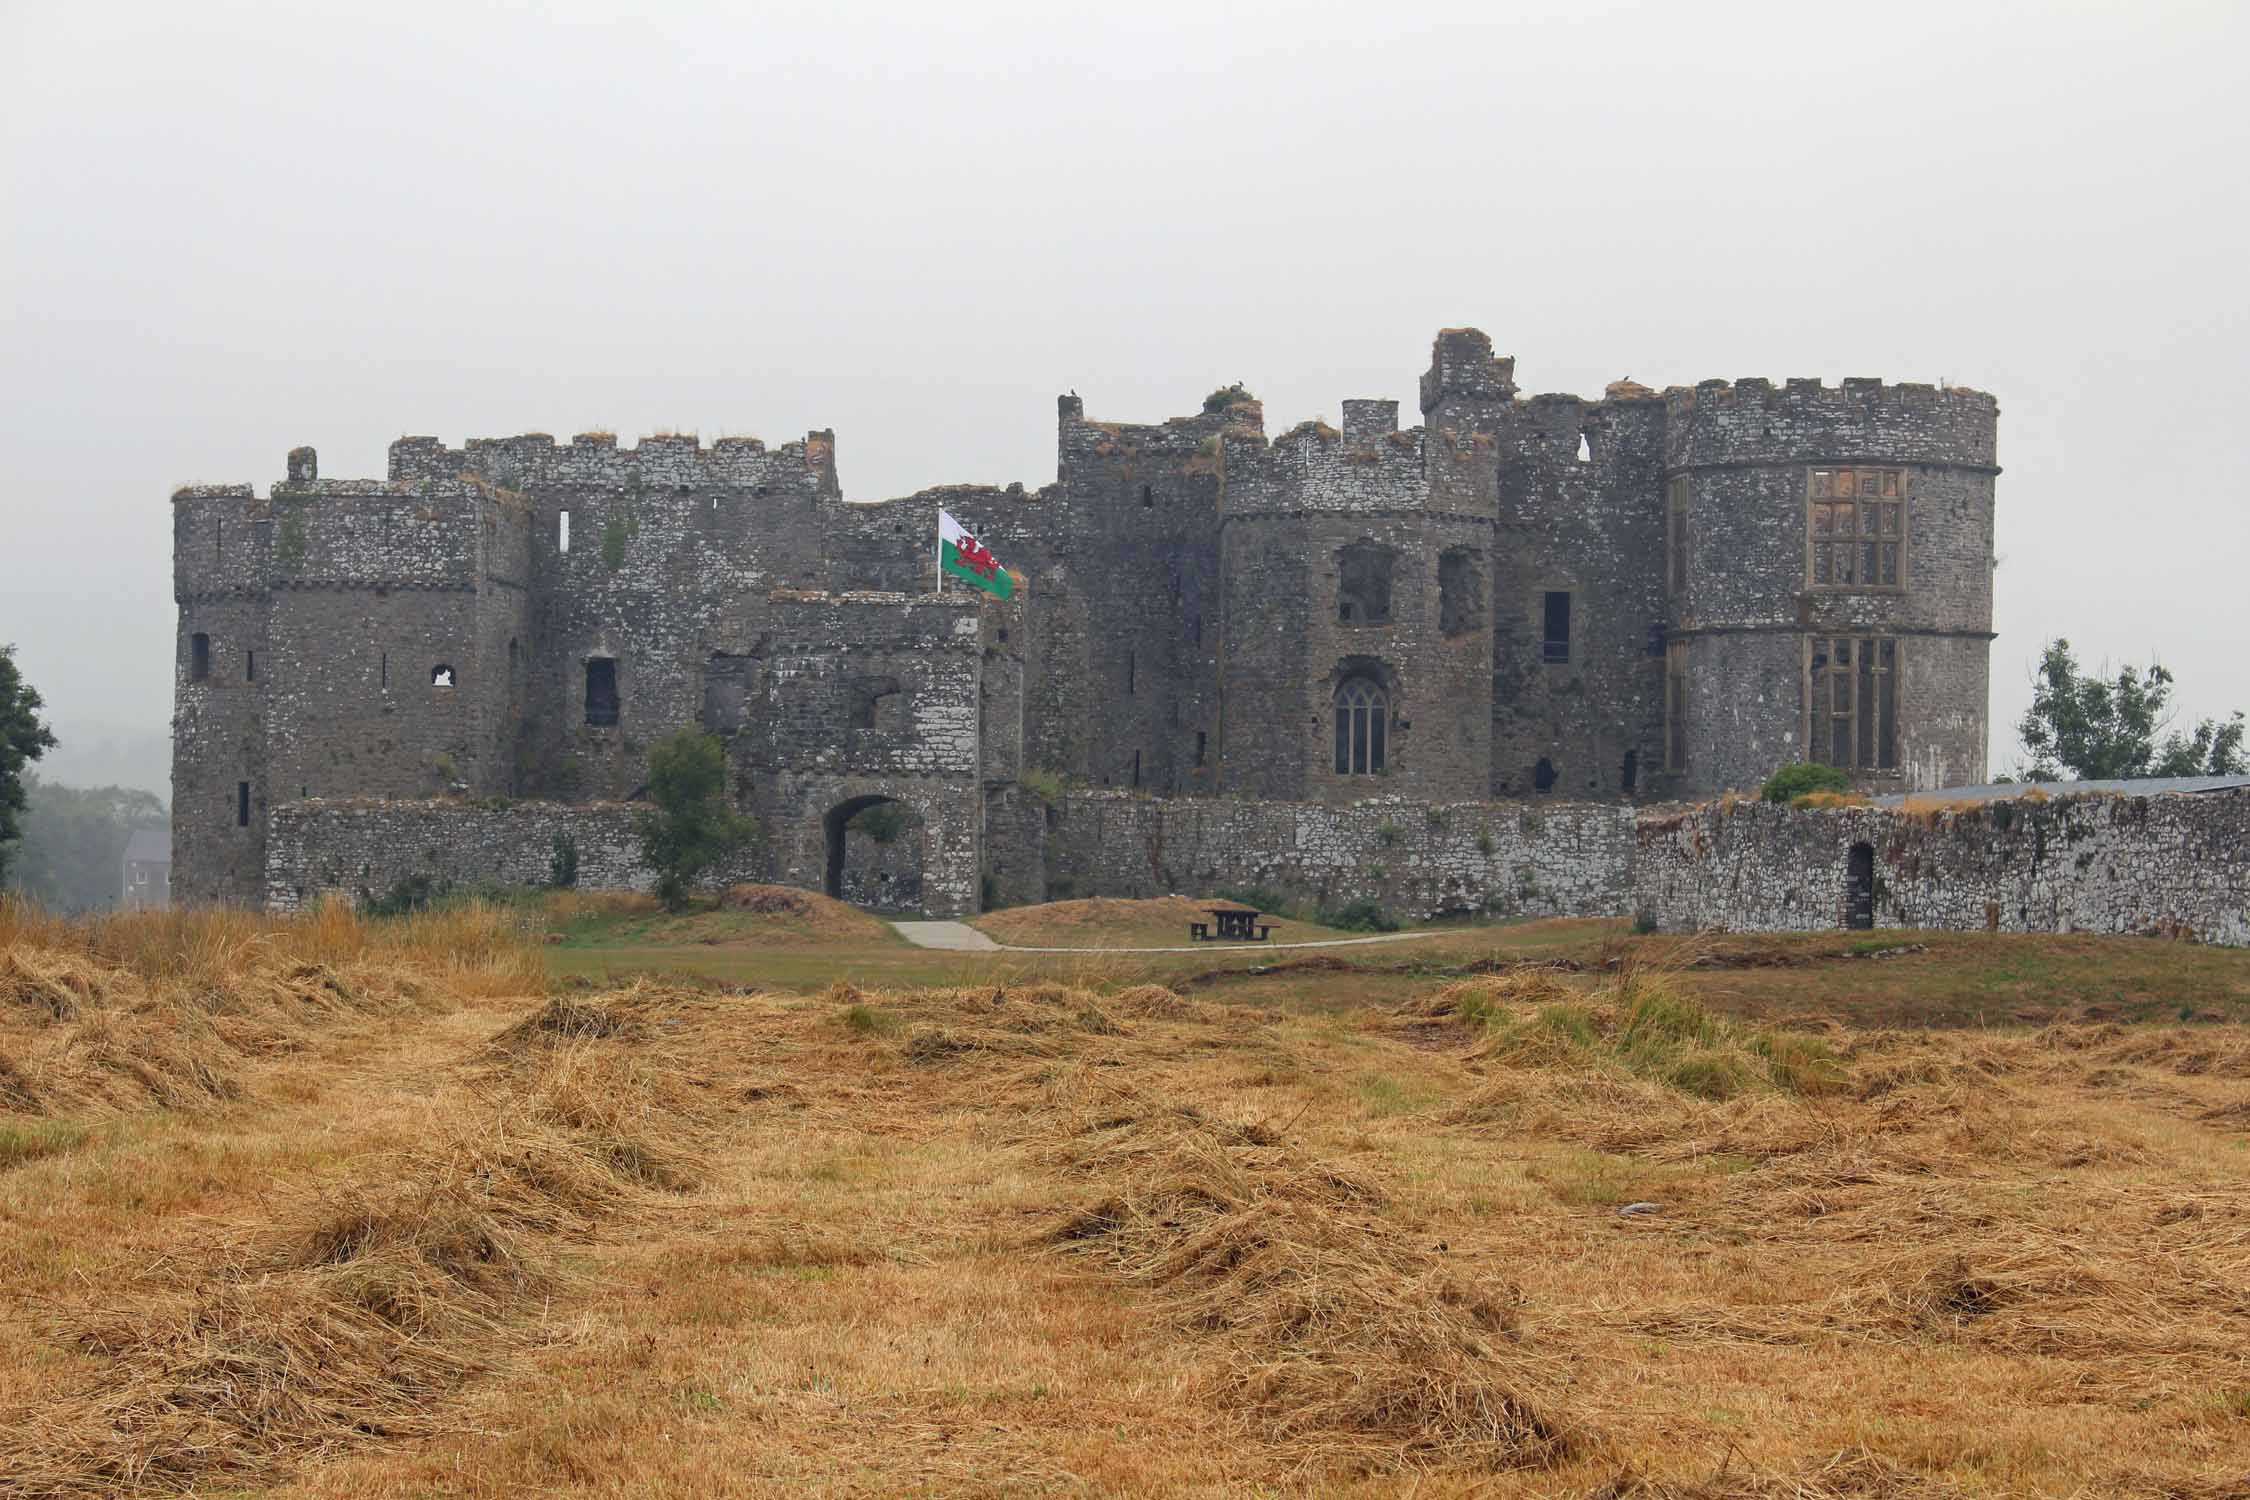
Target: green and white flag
(966,558)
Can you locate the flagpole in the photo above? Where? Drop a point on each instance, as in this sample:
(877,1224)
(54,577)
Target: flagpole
(941,550)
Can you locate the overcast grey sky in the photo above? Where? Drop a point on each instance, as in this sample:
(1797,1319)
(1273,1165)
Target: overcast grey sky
(231,228)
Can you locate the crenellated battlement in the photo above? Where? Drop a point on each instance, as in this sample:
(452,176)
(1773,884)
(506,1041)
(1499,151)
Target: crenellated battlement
(1753,420)
(535,460)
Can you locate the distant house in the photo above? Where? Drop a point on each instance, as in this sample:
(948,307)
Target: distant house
(148,869)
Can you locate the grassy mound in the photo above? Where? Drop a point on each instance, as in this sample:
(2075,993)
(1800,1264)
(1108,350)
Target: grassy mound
(739,916)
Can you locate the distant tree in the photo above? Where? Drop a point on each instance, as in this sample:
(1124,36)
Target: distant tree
(23,739)
(73,850)
(2103,727)
(692,826)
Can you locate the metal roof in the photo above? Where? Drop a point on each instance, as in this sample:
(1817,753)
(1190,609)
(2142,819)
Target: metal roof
(150,846)
(2143,786)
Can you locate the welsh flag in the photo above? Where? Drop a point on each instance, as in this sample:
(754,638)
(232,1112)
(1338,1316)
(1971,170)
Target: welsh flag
(968,559)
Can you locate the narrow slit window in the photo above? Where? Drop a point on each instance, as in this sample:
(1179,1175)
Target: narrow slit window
(199,657)
(562,531)
(1199,745)
(1132,667)
(249,666)
(384,681)
(1676,538)
(1555,638)
(1675,706)
(242,804)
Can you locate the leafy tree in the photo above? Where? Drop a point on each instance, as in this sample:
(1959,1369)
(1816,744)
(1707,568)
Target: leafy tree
(23,739)
(692,826)
(2099,727)
(73,849)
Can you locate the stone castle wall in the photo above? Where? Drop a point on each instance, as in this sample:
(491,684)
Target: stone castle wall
(2165,865)
(521,618)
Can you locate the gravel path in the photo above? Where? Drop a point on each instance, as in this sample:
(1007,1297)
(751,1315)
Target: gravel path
(960,937)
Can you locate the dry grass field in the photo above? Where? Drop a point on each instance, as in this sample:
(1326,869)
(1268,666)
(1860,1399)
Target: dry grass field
(347,1209)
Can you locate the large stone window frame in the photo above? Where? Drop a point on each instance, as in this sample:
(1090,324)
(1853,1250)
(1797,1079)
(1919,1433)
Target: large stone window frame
(1362,722)
(1856,520)
(1365,573)
(1852,696)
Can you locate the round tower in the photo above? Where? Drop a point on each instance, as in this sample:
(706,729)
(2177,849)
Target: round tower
(1828,580)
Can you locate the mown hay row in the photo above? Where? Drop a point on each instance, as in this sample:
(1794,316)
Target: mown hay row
(358,1311)
(1341,1336)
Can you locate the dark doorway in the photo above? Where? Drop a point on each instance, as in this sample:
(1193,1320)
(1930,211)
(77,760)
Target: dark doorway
(874,854)
(1859,912)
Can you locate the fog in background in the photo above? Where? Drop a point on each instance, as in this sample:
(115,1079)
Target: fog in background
(232,228)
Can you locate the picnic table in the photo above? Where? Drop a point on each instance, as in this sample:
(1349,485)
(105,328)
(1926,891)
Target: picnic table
(1239,923)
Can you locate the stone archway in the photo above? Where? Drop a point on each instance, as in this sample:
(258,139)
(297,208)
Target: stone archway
(874,853)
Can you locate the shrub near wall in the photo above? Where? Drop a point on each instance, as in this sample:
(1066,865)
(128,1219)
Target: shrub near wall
(2175,865)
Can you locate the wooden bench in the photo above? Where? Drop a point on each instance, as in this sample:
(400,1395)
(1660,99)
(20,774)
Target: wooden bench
(1263,929)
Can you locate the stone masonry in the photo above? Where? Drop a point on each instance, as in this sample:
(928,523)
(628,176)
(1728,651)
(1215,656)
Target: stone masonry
(1536,599)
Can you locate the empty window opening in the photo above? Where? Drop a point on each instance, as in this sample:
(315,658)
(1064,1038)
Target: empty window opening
(562,530)
(1543,778)
(1675,705)
(1632,772)
(1364,584)
(1851,698)
(441,676)
(1148,497)
(1856,528)
(726,693)
(1585,449)
(876,703)
(714,505)
(601,690)
(1460,591)
(242,804)
(1676,537)
(249,666)
(199,657)
(1554,644)
(1003,635)
(1199,743)
(1199,630)
(1362,727)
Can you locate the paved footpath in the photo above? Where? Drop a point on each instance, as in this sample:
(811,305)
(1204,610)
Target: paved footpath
(960,937)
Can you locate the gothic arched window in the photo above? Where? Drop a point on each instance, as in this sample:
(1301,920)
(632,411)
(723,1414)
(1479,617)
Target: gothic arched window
(1362,719)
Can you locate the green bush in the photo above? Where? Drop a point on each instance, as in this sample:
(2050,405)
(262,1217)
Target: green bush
(882,821)
(1047,786)
(1359,916)
(562,863)
(409,894)
(1226,396)
(1798,779)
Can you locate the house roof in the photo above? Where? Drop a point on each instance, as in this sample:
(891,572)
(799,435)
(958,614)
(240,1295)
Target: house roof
(2142,786)
(150,846)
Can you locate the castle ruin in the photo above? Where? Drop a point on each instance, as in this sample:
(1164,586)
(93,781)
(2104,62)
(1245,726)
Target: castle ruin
(1523,600)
